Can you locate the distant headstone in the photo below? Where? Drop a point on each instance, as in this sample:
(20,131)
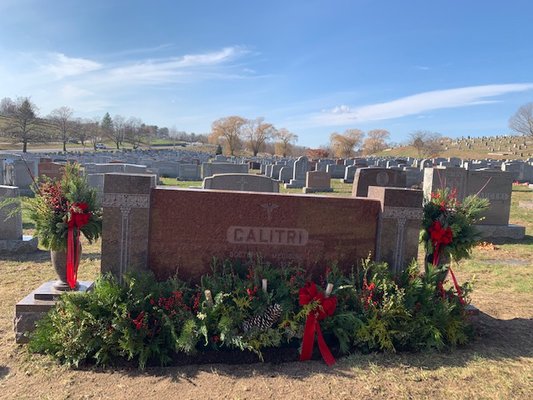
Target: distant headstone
(300,169)
(189,172)
(349,173)
(440,178)
(210,169)
(317,181)
(241,182)
(285,174)
(365,177)
(336,171)
(497,187)
(12,240)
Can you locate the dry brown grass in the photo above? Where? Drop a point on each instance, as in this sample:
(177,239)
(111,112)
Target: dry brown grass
(497,365)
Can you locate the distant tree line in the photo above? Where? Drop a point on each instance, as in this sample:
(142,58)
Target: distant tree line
(21,123)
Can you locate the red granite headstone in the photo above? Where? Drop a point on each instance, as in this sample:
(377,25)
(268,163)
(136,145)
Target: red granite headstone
(190,227)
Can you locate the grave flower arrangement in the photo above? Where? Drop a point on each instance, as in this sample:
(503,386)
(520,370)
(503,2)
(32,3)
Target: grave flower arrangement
(256,308)
(62,210)
(448,225)
(448,232)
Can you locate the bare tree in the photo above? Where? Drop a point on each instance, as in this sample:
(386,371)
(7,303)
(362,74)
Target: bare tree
(256,133)
(229,130)
(79,131)
(117,132)
(285,140)
(376,141)
(22,124)
(426,143)
(522,121)
(93,130)
(344,144)
(7,106)
(60,119)
(135,134)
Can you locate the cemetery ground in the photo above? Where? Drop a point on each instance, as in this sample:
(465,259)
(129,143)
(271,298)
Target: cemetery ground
(497,364)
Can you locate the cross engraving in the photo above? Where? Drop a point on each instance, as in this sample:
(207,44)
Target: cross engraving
(269,207)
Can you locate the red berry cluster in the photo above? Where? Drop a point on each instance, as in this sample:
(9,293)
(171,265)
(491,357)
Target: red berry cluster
(368,296)
(172,304)
(139,321)
(53,196)
(252,292)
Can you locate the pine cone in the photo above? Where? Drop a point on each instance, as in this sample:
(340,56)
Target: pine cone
(264,321)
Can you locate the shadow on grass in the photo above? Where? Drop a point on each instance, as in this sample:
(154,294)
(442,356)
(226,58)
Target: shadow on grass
(91,256)
(39,256)
(497,340)
(4,371)
(527,240)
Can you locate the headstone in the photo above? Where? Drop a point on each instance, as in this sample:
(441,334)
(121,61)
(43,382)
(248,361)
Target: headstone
(336,171)
(349,174)
(300,169)
(186,229)
(317,181)
(440,178)
(285,174)
(210,169)
(399,225)
(241,182)
(126,218)
(12,241)
(365,177)
(497,188)
(51,170)
(309,231)
(189,172)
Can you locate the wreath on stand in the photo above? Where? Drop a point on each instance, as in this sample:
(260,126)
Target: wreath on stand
(448,232)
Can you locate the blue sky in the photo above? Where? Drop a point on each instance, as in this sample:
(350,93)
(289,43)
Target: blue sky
(456,67)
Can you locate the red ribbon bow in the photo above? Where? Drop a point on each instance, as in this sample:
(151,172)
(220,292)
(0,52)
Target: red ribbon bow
(439,236)
(442,237)
(79,217)
(326,307)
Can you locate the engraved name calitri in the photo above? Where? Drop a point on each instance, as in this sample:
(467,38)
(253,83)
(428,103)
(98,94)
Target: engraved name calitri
(267,235)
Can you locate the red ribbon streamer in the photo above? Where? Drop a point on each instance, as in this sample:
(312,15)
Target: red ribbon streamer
(79,217)
(443,236)
(439,236)
(326,307)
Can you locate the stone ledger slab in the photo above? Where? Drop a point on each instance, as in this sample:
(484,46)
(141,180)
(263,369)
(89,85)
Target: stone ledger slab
(32,308)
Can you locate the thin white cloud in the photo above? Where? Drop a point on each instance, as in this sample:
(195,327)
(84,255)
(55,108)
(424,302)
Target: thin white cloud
(62,66)
(418,103)
(169,69)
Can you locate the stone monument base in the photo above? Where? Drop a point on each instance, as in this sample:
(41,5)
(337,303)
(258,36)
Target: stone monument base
(501,232)
(28,244)
(32,308)
(295,184)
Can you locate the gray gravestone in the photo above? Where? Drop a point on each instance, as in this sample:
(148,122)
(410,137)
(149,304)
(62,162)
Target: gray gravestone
(365,177)
(241,182)
(317,181)
(300,169)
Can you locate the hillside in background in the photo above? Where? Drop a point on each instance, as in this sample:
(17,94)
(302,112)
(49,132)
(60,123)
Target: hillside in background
(495,147)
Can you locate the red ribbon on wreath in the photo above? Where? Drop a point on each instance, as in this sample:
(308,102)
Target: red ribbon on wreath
(79,217)
(326,307)
(441,236)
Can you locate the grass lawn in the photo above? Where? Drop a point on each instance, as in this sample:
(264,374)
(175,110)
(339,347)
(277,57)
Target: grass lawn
(498,364)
